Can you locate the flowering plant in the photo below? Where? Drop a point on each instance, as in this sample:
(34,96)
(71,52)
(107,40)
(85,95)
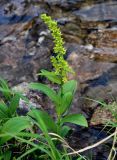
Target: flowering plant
(62,98)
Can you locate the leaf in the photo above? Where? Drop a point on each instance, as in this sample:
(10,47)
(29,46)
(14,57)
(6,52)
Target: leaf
(13,104)
(46,90)
(65,130)
(4,88)
(65,102)
(27,152)
(43,126)
(3,111)
(7,155)
(13,126)
(80,158)
(49,122)
(70,86)
(51,76)
(78,119)
(66,95)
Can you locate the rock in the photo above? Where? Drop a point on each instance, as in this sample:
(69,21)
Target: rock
(22,88)
(95,80)
(66,4)
(104,115)
(84,67)
(9,38)
(103,38)
(89,47)
(72,33)
(33,102)
(21,56)
(102,89)
(104,54)
(98,12)
(21,67)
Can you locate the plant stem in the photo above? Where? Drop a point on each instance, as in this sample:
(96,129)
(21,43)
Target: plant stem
(113,150)
(59,115)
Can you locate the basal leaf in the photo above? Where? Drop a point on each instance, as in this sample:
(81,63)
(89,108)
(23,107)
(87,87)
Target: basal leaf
(13,126)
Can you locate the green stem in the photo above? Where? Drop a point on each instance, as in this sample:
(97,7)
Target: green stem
(59,115)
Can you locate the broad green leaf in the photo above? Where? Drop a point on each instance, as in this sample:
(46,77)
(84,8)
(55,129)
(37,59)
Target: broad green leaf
(66,95)
(14,126)
(46,90)
(69,86)
(51,76)
(78,119)
(13,104)
(49,122)
(65,102)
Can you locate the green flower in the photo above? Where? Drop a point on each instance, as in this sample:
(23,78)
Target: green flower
(60,65)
